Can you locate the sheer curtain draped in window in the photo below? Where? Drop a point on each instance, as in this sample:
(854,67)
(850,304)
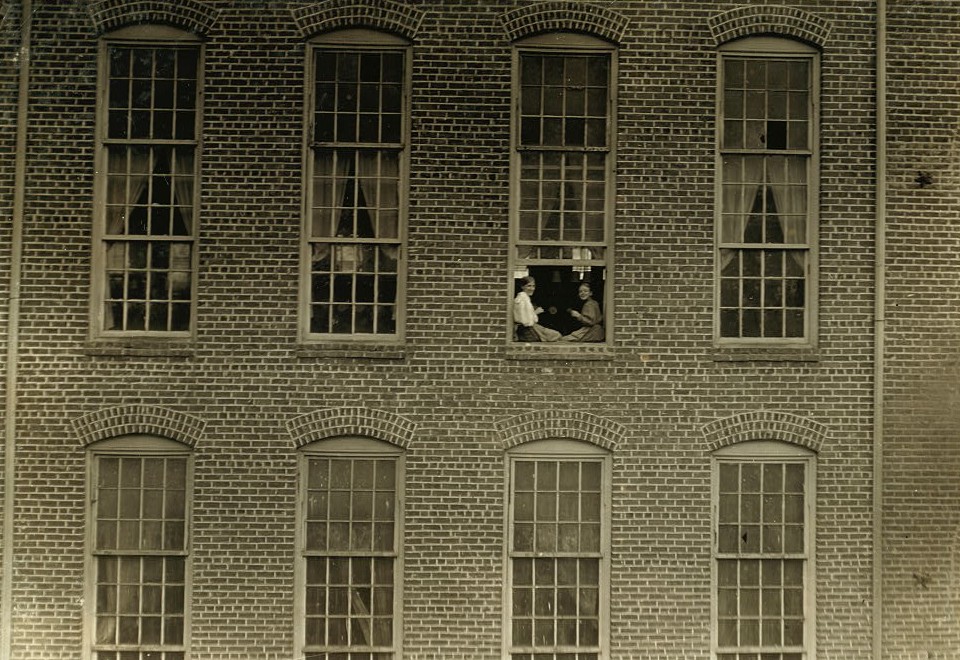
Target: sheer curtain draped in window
(769,190)
(375,176)
(127,191)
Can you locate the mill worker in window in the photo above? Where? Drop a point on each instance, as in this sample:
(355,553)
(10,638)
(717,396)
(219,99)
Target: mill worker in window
(590,317)
(525,315)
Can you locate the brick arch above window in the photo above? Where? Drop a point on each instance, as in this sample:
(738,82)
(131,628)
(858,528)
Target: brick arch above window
(138,420)
(387,15)
(365,422)
(765,425)
(197,17)
(542,425)
(769,19)
(554,16)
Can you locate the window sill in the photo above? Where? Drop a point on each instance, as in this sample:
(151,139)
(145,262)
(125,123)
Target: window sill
(559,351)
(352,350)
(139,348)
(765,354)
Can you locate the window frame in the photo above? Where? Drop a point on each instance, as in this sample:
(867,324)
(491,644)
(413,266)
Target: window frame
(133,446)
(158,36)
(563,43)
(352,447)
(355,40)
(760,452)
(765,47)
(559,449)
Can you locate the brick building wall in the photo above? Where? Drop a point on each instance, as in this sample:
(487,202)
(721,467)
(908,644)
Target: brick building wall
(455,384)
(921,454)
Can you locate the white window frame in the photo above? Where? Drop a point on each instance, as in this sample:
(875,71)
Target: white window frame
(773,48)
(149,36)
(563,44)
(760,452)
(558,449)
(350,447)
(353,40)
(134,446)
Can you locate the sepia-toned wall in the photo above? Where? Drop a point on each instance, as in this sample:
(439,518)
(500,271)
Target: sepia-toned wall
(245,377)
(922,401)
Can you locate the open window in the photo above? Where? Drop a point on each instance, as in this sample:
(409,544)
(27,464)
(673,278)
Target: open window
(562,189)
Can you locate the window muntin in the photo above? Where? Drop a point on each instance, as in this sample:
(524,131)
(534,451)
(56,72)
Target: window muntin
(767,189)
(350,553)
(558,554)
(356,191)
(149,150)
(563,173)
(140,546)
(763,555)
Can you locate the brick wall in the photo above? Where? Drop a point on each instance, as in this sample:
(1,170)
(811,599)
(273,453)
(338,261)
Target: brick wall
(921,454)
(245,379)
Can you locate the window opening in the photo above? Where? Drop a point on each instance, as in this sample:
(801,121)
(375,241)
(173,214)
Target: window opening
(767,162)
(564,179)
(148,232)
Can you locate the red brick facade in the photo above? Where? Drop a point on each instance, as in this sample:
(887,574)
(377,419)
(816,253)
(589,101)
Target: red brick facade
(660,397)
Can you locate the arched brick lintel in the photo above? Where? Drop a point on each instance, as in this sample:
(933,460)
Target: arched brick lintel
(337,422)
(139,420)
(192,15)
(554,16)
(769,19)
(764,425)
(541,425)
(386,15)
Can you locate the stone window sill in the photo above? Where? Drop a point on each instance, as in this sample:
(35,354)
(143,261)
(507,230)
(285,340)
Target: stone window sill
(139,348)
(396,351)
(559,351)
(765,354)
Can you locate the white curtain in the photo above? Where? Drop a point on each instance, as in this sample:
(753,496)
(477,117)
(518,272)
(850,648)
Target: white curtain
(183,177)
(130,170)
(330,174)
(756,189)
